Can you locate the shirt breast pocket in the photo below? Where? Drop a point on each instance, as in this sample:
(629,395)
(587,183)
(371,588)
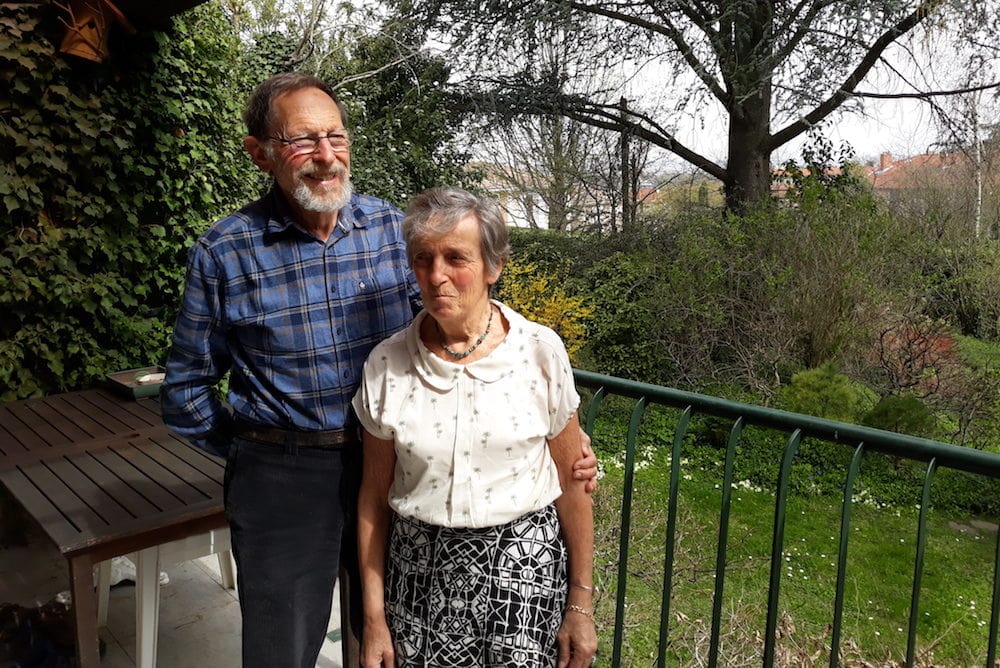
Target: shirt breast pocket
(376,300)
(271,325)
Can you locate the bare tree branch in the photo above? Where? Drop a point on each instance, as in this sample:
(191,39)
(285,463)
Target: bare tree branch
(869,60)
(926,94)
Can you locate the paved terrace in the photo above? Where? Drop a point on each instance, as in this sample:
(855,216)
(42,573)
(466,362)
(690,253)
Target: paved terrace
(199,619)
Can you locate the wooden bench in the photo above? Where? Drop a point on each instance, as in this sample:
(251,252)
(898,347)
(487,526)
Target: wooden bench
(103,477)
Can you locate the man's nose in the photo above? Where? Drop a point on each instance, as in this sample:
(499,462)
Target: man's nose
(324,151)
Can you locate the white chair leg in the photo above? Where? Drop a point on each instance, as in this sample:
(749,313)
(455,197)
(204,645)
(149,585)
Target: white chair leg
(226,569)
(103,592)
(147,606)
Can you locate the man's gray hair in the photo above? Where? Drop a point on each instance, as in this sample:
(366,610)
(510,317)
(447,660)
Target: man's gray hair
(259,112)
(437,211)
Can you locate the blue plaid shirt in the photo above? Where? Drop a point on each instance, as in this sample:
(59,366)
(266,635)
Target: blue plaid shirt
(291,317)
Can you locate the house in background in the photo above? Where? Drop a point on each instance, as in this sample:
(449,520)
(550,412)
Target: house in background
(782,179)
(906,179)
(522,207)
(534,200)
(948,193)
(531,200)
(926,184)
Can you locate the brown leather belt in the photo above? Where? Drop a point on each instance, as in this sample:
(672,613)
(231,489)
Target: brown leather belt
(331,439)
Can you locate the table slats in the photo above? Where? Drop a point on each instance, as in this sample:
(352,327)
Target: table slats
(99,500)
(140,454)
(58,528)
(136,479)
(69,504)
(179,466)
(22,434)
(210,467)
(95,467)
(131,413)
(103,476)
(47,417)
(73,408)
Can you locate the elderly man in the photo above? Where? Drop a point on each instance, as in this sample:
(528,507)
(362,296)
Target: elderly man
(289,295)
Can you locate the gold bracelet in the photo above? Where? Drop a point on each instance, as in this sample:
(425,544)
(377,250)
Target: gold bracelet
(579,610)
(580,586)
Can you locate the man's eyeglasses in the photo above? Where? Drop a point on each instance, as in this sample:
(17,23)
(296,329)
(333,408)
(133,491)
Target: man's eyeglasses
(339,141)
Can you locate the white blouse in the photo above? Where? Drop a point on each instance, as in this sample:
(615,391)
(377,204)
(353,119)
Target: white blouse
(470,439)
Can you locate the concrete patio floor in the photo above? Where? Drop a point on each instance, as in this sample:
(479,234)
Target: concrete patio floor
(199,619)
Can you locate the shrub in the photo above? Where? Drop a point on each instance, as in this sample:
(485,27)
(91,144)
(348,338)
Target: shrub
(904,414)
(825,393)
(541,296)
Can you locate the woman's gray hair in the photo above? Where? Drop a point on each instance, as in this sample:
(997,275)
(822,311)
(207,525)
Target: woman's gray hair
(259,112)
(437,211)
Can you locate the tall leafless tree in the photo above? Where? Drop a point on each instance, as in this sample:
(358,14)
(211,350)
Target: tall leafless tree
(775,68)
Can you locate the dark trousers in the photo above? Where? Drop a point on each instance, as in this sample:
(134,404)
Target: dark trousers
(287,508)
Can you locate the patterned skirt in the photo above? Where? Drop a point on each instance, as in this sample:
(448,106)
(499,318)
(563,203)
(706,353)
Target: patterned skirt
(481,598)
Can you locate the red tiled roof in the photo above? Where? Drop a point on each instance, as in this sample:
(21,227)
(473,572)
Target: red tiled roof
(915,171)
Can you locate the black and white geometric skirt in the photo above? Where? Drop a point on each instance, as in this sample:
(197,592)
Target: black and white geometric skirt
(476,598)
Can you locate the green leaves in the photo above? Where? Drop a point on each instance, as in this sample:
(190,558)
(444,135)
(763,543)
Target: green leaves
(97,191)
(108,172)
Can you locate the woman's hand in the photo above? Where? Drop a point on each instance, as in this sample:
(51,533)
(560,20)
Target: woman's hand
(577,639)
(376,646)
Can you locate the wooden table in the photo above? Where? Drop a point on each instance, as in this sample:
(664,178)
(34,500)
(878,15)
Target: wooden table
(103,477)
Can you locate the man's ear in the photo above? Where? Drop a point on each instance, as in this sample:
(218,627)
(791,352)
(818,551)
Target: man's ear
(258,152)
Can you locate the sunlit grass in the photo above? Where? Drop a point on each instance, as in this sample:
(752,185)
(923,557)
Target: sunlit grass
(954,601)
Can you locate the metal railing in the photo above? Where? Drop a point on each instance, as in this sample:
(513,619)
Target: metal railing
(796,427)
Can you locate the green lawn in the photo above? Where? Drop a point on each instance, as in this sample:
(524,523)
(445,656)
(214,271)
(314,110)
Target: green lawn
(954,600)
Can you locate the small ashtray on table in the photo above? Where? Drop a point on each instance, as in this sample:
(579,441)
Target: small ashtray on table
(137,383)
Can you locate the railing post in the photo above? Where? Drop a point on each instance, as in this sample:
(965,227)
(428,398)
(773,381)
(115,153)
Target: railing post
(626,522)
(668,556)
(721,553)
(918,566)
(845,534)
(777,547)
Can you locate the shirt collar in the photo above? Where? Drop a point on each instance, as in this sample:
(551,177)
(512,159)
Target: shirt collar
(442,374)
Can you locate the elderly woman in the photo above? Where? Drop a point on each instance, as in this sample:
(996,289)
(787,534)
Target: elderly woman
(475,540)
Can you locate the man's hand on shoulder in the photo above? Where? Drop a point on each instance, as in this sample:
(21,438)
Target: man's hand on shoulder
(585,468)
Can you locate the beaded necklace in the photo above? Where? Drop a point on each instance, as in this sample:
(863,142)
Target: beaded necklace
(468,351)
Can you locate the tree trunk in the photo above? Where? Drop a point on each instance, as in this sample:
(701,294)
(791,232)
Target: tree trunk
(748,174)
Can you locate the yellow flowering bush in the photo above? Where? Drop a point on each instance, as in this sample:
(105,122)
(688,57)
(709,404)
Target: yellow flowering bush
(539,295)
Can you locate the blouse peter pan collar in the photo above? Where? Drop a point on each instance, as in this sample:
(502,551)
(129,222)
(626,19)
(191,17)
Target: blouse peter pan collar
(442,375)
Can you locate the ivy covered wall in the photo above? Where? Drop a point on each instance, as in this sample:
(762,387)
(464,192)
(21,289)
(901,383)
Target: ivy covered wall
(107,171)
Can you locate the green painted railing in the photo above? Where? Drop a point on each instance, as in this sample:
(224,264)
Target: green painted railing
(797,427)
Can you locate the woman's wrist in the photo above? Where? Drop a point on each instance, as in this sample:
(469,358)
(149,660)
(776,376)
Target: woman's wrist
(580,592)
(586,611)
(373,617)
